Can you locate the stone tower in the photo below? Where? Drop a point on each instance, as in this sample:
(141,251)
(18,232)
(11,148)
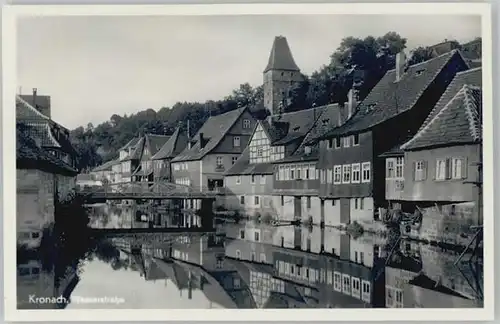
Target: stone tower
(281,75)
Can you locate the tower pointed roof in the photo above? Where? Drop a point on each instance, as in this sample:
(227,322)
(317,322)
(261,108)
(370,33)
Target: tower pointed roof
(281,57)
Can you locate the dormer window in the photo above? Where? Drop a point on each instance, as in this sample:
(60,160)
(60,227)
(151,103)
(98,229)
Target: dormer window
(307,149)
(246,123)
(296,128)
(326,121)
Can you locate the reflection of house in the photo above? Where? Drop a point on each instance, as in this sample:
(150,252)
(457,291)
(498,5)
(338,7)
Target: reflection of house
(248,241)
(330,282)
(433,173)
(33,280)
(39,175)
(353,178)
(421,275)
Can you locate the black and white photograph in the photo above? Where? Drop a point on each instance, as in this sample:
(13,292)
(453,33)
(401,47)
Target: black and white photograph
(228,161)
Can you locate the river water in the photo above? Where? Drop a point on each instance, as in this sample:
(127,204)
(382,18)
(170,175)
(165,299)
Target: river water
(246,265)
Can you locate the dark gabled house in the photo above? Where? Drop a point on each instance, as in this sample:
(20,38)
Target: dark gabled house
(250,180)
(131,160)
(435,173)
(296,178)
(151,144)
(352,177)
(163,158)
(34,111)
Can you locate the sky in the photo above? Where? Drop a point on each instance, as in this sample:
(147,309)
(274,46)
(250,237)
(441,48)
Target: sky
(94,67)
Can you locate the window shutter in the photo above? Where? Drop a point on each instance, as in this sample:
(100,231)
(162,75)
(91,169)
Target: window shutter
(413,168)
(426,166)
(464,168)
(448,169)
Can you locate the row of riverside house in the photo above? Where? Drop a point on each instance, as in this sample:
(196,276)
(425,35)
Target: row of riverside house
(332,165)
(45,167)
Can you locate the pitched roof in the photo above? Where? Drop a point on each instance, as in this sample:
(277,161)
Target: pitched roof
(389,98)
(281,57)
(244,167)
(154,272)
(42,102)
(131,143)
(31,156)
(331,116)
(292,126)
(172,146)
(458,122)
(42,134)
(213,130)
(155,142)
(25,111)
(137,151)
(174,272)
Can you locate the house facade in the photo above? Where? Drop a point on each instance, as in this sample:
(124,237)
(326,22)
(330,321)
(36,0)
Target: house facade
(42,181)
(440,167)
(129,156)
(352,177)
(212,151)
(162,159)
(48,135)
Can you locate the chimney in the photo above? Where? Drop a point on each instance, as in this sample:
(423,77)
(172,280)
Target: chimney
(201,140)
(34,97)
(400,63)
(352,102)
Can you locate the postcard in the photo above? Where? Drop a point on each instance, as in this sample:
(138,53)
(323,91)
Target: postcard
(234,162)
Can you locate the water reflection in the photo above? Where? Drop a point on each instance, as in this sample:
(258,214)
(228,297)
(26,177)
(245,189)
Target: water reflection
(250,265)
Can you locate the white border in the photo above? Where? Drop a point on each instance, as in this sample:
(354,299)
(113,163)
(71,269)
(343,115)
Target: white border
(11,13)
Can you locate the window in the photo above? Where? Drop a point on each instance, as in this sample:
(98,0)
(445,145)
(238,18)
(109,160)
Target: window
(260,152)
(337,281)
(236,141)
(440,169)
(337,174)
(306,173)
(329,176)
(323,176)
(361,203)
(361,257)
(262,179)
(246,123)
(298,176)
(355,140)
(337,142)
(253,178)
(292,173)
(242,200)
(456,168)
(256,236)
(347,141)
(176,167)
(219,264)
(366,167)
(253,256)
(256,200)
(329,143)
(218,161)
(355,173)
(242,234)
(346,284)
(419,171)
(389,168)
(238,179)
(234,159)
(334,202)
(355,287)
(307,149)
(346,171)
(399,167)
(308,202)
(282,200)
